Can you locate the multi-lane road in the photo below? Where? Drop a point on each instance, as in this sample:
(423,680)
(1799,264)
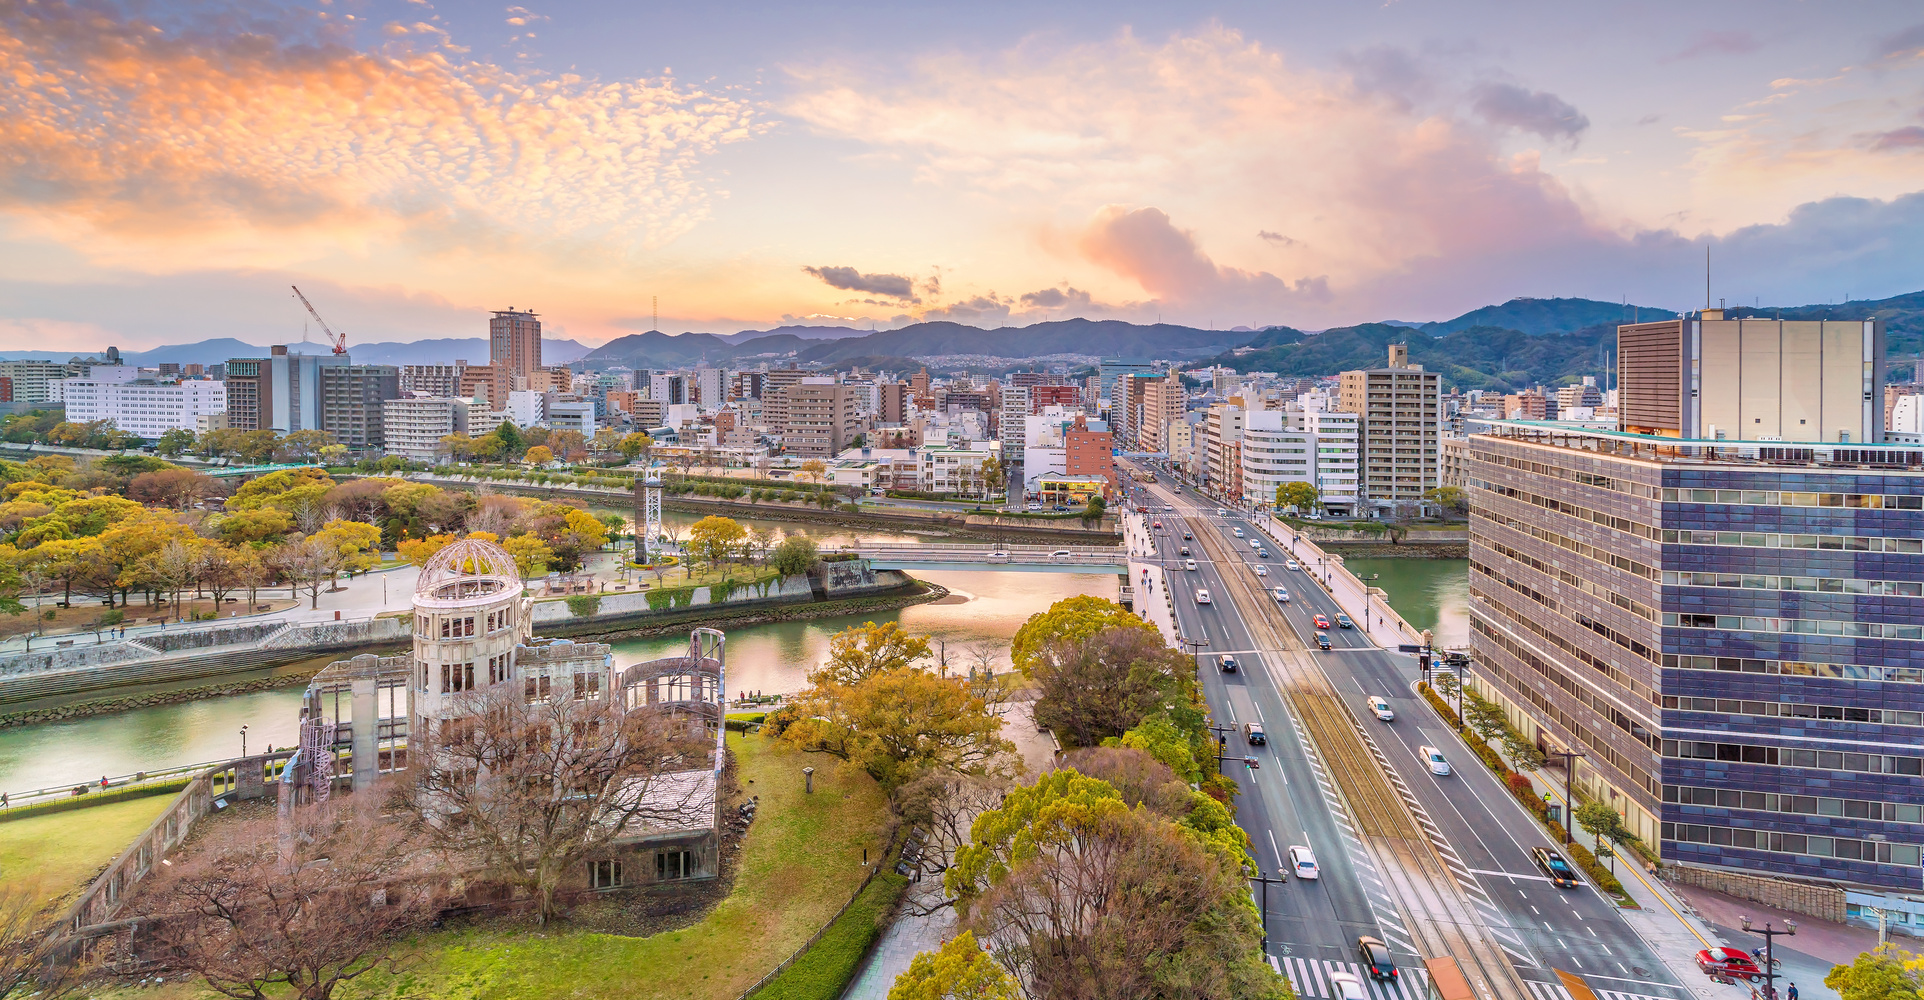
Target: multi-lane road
(1294,797)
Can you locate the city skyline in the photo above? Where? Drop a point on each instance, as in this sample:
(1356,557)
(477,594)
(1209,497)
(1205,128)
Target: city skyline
(414,166)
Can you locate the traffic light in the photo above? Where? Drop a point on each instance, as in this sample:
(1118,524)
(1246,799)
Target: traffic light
(1251,763)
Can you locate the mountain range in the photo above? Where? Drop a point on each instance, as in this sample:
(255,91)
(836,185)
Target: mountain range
(1517,343)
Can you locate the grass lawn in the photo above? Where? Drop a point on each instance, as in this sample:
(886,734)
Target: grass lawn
(801,859)
(60,852)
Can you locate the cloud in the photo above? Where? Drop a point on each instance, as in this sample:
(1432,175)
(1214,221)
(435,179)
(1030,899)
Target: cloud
(227,141)
(1908,137)
(1389,71)
(1144,246)
(849,279)
(1277,238)
(1057,298)
(977,310)
(1537,111)
(1900,46)
(1724,43)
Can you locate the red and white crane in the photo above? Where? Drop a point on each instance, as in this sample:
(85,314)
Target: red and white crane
(339,340)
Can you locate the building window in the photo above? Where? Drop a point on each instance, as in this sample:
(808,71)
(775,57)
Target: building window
(604,874)
(673,865)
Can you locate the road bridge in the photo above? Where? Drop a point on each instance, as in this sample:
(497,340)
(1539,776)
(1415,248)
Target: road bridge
(1020,558)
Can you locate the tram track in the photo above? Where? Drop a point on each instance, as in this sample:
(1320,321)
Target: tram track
(1441,919)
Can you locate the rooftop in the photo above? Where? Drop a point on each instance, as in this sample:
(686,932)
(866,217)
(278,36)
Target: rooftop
(1657,448)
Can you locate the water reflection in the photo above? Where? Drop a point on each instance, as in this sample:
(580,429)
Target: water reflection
(1428,593)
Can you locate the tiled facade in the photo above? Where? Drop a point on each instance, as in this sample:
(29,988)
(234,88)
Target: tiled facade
(1737,646)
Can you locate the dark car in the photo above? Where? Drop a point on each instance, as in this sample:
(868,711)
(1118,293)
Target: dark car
(1253,732)
(1186,536)
(1555,868)
(1185,551)
(1342,621)
(1375,956)
(1322,640)
(1228,664)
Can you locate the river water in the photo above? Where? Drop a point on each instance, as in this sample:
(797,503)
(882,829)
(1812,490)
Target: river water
(981,615)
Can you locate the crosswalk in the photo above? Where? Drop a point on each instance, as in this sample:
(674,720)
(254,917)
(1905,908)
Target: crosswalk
(1556,991)
(1310,978)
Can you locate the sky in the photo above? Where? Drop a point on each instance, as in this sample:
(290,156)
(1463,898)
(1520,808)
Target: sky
(167,171)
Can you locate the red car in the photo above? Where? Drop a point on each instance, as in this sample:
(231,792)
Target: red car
(1321,622)
(1729,963)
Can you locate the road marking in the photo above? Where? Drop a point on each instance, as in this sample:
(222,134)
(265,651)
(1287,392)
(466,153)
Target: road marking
(1271,834)
(1486,871)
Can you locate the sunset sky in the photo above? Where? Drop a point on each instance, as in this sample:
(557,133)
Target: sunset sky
(167,170)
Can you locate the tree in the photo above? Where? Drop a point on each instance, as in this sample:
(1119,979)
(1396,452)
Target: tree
(1093,510)
(219,571)
(993,475)
(1071,619)
(30,961)
(606,441)
(899,723)
(538,455)
(357,545)
(174,442)
(68,563)
(544,784)
(417,551)
(760,539)
(814,471)
(174,567)
(305,444)
(715,538)
(250,910)
(796,554)
(512,443)
(307,563)
(254,527)
(1601,822)
(531,555)
(1106,684)
(570,444)
(259,446)
(1888,973)
(1300,497)
(176,488)
(1449,498)
(859,652)
(635,444)
(960,970)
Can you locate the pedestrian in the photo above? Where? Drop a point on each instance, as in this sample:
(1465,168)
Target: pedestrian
(3,800)
(103,781)
(1791,994)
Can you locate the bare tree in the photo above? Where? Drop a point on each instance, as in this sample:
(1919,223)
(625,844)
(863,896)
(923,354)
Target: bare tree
(944,805)
(523,790)
(252,908)
(307,564)
(33,961)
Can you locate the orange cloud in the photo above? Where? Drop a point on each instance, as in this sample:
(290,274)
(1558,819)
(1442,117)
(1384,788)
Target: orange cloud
(120,131)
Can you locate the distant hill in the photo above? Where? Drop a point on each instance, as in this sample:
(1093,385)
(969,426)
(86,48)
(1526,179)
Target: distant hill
(420,352)
(1903,317)
(1539,316)
(922,340)
(1474,358)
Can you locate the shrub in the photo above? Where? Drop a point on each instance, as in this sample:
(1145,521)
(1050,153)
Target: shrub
(1520,784)
(1599,875)
(584,605)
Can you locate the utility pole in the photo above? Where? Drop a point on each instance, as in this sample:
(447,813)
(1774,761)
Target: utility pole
(1265,880)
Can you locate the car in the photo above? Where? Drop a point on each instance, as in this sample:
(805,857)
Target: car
(1261,570)
(1321,622)
(1185,552)
(1255,543)
(1376,958)
(1158,525)
(1322,640)
(1189,564)
(1239,532)
(1262,553)
(1186,536)
(1202,596)
(1291,565)
(1439,766)
(1555,868)
(1060,554)
(1169,508)
(1227,663)
(1346,986)
(1380,708)
(1302,862)
(1221,512)
(1253,733)
(1035,506)
(1062,506)
(1342,621)
(1282,595)
(1729,963)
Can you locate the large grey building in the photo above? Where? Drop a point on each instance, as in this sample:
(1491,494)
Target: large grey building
(1730,632)
(351,403)
(1400,440)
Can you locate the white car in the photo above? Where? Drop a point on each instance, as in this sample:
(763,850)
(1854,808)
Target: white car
(1202,596)
(1239,532)
(1255,543)
(1282,595)
(1346,986)
(1381,708)
(1302,862)
(1035,506)
(1189,564)
(1291,565)
(1169,508)
(1262,570)
(1434,757)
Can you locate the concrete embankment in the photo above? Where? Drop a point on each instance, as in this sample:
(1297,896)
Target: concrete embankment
(78,681)
(1417,544)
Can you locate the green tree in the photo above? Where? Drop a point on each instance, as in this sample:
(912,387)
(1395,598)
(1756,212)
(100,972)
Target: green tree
(531,554)
(796,554)
(634,444)
(1600,821)
(901,723)
(1159,738)
(174,442)
(1889,973)
(512,444)
(714,539)
(1093,511)
(1105,685)
(1300,497)
(1071,619)
(305,444)
(1450,498)
(960,970)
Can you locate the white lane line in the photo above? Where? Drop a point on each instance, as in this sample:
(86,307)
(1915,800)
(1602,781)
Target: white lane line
(1271,834)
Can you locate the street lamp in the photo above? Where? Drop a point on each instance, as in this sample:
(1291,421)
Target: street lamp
(1770,935)
(1569,777)
(1264,878)
(1194,645)
(243,741)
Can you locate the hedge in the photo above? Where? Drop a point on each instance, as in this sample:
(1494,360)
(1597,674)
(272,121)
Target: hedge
(584,605)
(823,971)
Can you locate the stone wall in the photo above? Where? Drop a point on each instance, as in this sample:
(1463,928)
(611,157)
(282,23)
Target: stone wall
(340,635)
(1821,901)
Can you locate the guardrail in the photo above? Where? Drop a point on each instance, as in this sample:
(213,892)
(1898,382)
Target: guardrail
(36,800)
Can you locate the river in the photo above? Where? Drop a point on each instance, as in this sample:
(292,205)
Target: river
(1429,593)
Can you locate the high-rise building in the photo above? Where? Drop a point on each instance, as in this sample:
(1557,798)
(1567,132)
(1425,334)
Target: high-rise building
(892,402)
(1125,410)
(1011,427)
(1089,450)
(1752,379)
(296,397)
(250,394)
(39,381)
(413,426)
(823,417)
(1112,369)
(514,348)
(1044,396)
(1223,428)
(434,380)
(1162,404)
(710,386)
(1401,430)
(352,400)
(747,385)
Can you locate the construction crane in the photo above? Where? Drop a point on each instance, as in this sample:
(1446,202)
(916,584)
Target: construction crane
(339,340)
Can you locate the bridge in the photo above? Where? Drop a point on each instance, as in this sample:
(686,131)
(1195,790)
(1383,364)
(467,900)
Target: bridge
(1020,558)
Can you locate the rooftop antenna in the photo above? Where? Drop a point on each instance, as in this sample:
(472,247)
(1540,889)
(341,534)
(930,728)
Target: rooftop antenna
(1706,276)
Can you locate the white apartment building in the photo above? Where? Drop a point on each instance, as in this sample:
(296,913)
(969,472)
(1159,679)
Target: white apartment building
(144,407)
(958,470)
(1301,444)
(572,415)
(38,381)
(415,425)
(1338,435)
(1012,425)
